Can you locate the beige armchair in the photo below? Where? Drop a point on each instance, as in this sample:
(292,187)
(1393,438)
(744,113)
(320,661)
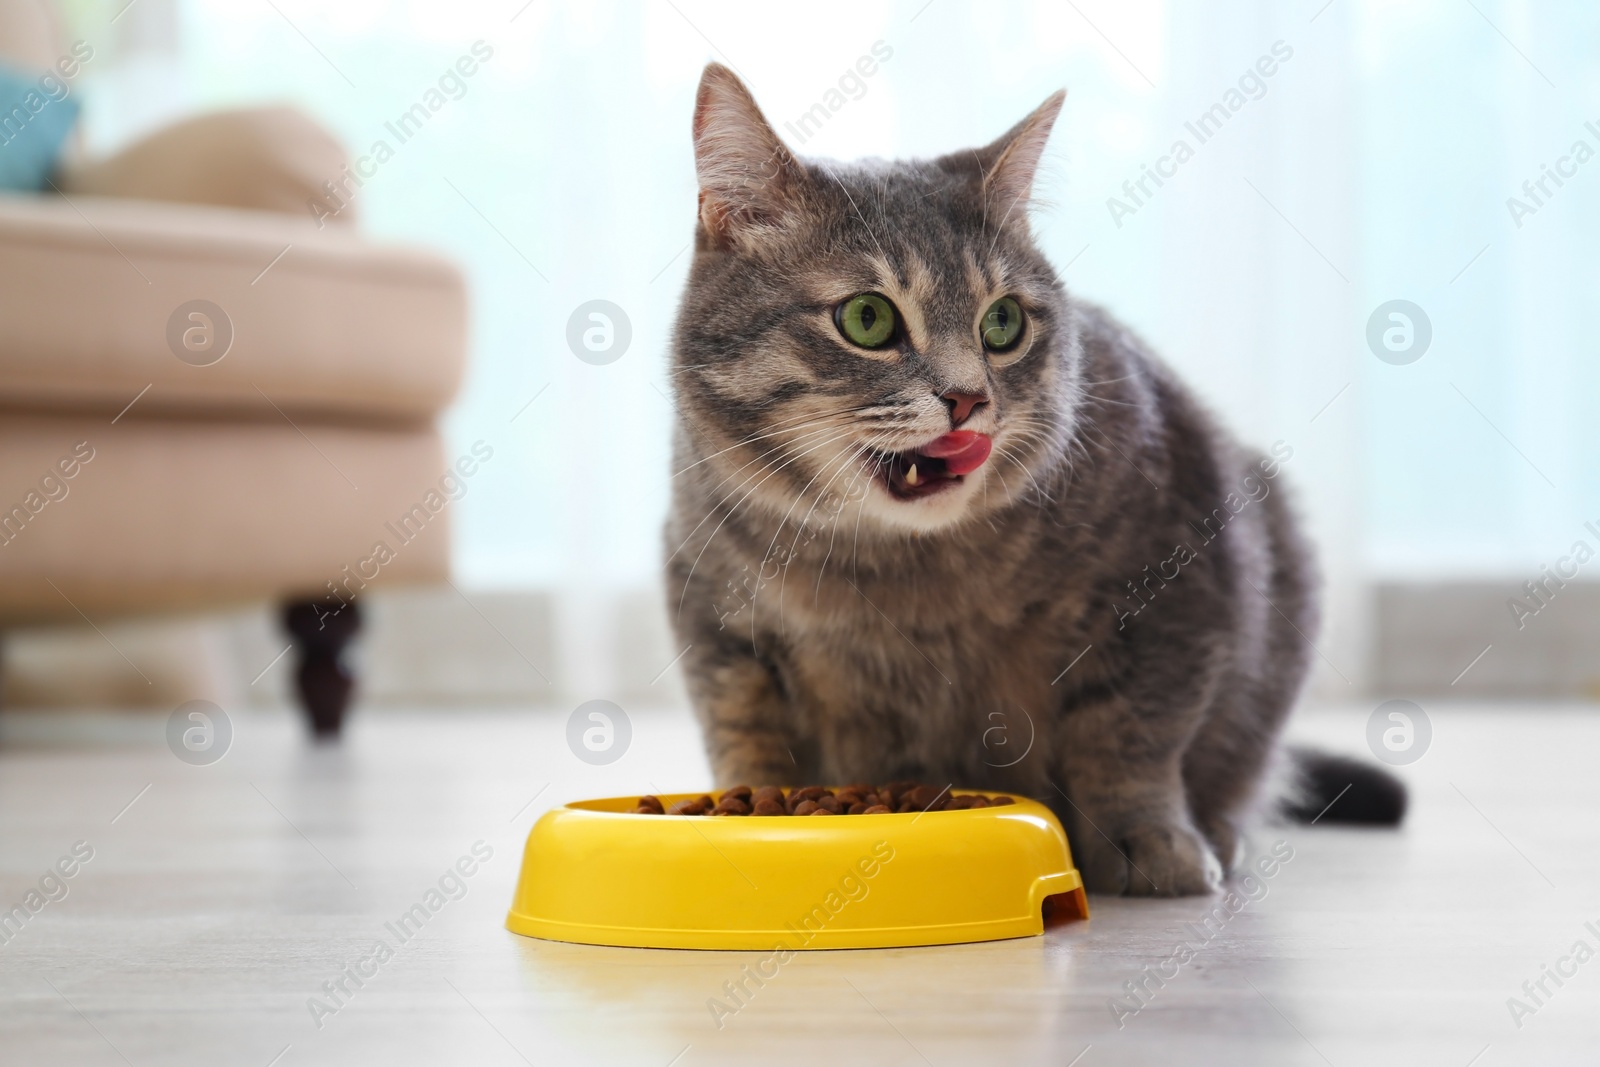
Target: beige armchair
(205,398)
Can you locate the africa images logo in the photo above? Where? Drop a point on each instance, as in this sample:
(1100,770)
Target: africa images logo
(599,732)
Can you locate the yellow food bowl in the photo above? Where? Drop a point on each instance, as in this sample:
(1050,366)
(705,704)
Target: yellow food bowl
(596,874)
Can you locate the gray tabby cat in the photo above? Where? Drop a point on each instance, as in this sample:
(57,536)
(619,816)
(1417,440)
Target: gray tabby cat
(922,496)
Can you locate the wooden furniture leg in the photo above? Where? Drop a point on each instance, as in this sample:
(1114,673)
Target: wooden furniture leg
(322,630)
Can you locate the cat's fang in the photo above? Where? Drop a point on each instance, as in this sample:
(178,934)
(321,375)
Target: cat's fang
(908,476)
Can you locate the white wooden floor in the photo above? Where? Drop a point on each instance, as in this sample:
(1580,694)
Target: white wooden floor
(218,904)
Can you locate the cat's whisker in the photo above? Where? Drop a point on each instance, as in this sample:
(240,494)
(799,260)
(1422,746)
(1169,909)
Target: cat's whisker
(798,498)
(688,579)
(848,460)
(774,429)
(860,472)
(1107,400)
(1003,481)
(1037,445)
(1037,441)
(845,460)
(789,426)
(807,451)
(818,425)
(1043,496)
(800,433)
(855,550)
(769,452)
(781,450)
(771,467)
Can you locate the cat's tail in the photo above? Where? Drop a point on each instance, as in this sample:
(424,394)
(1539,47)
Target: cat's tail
(1338,789)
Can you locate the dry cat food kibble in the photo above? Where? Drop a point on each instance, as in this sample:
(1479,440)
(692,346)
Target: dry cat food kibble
(819,800)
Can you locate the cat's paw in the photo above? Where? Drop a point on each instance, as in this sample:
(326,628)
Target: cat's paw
(1150,859)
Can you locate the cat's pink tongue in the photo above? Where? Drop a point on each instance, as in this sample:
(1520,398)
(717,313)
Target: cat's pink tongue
(963,451)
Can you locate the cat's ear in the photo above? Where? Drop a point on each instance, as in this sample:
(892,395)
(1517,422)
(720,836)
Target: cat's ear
(749,182)
(1010,163)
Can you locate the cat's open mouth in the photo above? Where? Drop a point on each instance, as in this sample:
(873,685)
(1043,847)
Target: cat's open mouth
(936,466)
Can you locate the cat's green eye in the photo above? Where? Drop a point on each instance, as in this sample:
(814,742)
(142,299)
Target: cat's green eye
(1002,325)
(867,320)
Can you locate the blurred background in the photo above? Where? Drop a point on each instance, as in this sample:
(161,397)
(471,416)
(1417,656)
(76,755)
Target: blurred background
(1383,159)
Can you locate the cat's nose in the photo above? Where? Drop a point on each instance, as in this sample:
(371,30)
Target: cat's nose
(962,405)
